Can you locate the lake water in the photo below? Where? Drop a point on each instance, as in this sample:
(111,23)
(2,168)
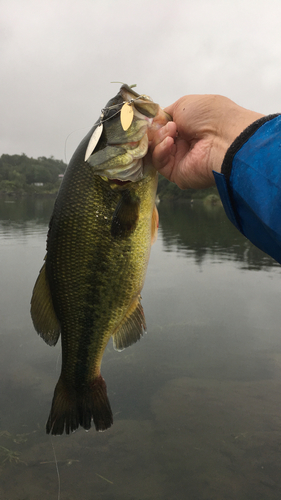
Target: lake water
(196,403)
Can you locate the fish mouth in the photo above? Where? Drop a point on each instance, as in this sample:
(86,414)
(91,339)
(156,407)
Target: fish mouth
(142,102)
(116,151)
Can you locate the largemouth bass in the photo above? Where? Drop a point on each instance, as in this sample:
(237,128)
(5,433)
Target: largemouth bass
(100,233)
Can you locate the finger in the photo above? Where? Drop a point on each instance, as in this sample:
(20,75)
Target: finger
(158,136)
(163,156)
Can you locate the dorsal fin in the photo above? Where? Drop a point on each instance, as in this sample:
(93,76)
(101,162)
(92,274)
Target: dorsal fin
(132,327)
(42,310)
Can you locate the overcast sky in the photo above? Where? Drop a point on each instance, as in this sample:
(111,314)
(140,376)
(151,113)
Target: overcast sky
(58,57)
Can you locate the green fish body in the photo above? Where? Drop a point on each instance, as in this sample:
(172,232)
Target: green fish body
(98,246)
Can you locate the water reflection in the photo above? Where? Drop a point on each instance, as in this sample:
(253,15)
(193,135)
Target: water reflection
(196,403)
(25,216)
(203,231)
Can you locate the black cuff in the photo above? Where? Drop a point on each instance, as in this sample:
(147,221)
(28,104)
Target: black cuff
(239,142)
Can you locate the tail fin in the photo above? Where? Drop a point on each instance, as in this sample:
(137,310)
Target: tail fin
(70,408)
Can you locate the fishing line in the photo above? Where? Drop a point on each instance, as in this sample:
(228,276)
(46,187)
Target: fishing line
(102,119)
(131,101)
(57,363)
(131,86)
(73,131)
(57,467)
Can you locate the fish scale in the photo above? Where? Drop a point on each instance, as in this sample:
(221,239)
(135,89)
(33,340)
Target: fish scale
(89,288)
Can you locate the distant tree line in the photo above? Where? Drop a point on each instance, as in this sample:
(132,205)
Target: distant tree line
(20,174)
(168,191)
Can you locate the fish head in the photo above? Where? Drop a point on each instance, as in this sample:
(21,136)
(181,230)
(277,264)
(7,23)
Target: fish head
(118,146)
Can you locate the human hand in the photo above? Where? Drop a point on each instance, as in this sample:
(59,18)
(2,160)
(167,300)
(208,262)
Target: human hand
(187,149)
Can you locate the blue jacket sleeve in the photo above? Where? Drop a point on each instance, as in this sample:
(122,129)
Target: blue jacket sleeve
(250,184)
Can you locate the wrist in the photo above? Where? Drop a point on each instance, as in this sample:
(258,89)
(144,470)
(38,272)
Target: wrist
(240,120)
(242,139)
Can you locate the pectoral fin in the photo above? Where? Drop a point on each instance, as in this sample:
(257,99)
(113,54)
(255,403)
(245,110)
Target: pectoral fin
(42,310)
(131,328)
(126,215)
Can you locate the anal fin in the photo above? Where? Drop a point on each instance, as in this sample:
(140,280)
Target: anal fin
(42,311)
(132,327)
